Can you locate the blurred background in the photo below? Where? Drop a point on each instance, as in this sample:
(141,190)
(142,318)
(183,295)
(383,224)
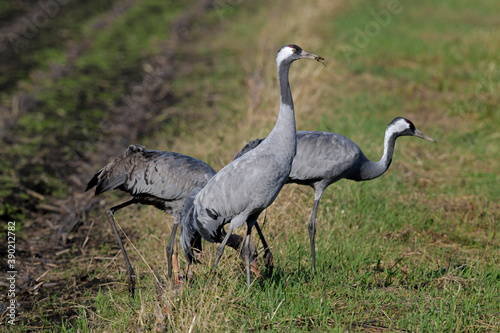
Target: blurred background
(81,80)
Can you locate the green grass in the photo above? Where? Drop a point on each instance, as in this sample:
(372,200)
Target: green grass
(414,250)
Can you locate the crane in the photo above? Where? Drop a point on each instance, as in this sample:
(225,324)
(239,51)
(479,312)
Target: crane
(324,158)
(162,179)
(245,187)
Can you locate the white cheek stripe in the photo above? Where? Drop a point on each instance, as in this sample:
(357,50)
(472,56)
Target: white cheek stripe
(283,54)
(398,127)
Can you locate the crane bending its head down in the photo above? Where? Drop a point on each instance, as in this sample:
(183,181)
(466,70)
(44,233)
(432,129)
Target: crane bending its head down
(244,188)
(159,178)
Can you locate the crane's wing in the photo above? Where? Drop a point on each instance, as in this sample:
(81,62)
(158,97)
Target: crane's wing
(166,175)
(320,155)
(323,155)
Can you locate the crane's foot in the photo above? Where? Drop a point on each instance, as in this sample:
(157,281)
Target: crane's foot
(220,251)
(269,262)
(253,256)
(159,285)
(313,267)
(131,282)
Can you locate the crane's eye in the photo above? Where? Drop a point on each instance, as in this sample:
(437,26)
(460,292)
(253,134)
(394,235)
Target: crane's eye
(294,50)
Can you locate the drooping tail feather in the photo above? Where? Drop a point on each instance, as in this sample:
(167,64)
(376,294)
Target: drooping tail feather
(93,182)
(114,175)
(104,183)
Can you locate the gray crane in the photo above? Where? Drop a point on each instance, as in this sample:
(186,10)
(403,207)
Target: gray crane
(324,158)
(162,179)
(245,187)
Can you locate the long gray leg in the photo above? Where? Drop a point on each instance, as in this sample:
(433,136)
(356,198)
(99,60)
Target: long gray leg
(235,223)
(220,249)
(247,257)
(312,228)
(170,245)
(111,219)
(251,221)
(268,256)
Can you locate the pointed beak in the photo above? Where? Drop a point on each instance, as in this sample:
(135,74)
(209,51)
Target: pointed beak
(308,55)
(423,136)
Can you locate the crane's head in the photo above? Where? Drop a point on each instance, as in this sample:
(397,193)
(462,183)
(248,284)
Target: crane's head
(189,239)
(292,52)
(402,126)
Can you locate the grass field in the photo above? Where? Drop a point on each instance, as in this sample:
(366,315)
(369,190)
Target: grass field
(415,250)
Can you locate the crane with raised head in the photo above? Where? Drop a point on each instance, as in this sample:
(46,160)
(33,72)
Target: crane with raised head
(162,179)
(245,187)
(324,158)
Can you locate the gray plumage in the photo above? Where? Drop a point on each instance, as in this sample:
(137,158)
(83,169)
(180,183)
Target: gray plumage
(159,178)
(244,188)
(324,158)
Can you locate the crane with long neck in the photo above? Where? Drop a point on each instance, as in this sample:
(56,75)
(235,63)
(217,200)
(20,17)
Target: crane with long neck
(162,179)
(324,158)
(245,187)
